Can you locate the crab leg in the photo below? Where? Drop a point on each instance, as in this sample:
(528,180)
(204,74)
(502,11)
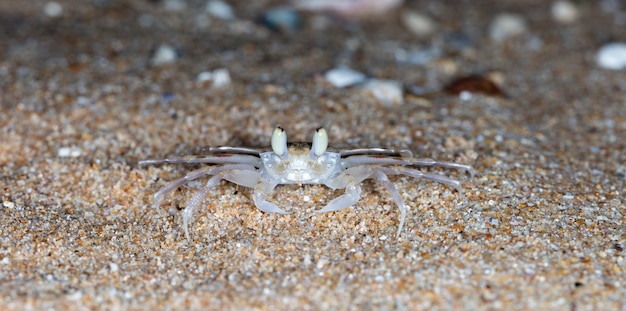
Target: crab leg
(431,162)
(350,179)
(400,170)
(209,170)
(261,190)
(358,160)
(377,160)
(395,195)
(353,192)
(239,175)
(197,198)
(377,151)
(217,159)
(235,150)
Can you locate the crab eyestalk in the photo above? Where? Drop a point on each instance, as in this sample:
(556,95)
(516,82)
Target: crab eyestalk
(320,142)
(279,142)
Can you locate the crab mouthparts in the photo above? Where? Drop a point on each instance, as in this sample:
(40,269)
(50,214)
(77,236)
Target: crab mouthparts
(299,175)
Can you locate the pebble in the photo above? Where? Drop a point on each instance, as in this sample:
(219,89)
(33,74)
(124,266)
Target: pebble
(389,92)
(164,54)
(69,152)
(465,96)
(564,12)
(8,204)
(505,26)
(220,9)
(612,56)
(350,8)
(417,23)
(219,77)
(281,19)
(53,9)
(344,77)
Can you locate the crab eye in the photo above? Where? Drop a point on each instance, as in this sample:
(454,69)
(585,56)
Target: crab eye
(320,142)
(279,141)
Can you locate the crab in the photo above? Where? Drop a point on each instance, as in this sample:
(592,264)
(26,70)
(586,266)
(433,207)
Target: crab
(303,163)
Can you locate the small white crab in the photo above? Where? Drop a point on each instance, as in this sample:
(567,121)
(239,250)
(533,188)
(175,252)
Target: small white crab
(303,163)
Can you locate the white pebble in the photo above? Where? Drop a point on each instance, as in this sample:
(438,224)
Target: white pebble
(220,9)
(343,77)
(8,204)
(349,8)
(219,77)
(389,92)
(465,96)
(505,26)
(564,12)
(417,23)
(53,9)
(612,56)
(204,76)
(69,152)
(164,54)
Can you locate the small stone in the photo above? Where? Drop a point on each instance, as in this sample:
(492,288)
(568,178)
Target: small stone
(220,9)
(8,204)
(417,23)
(389,92)
(358,9)
(612,56)
(564,12)
(164,54)
(281,19)
(505,26)
(53,9)
(69,152)
(344,77)
(219,77)
(205,76)
(465,96)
